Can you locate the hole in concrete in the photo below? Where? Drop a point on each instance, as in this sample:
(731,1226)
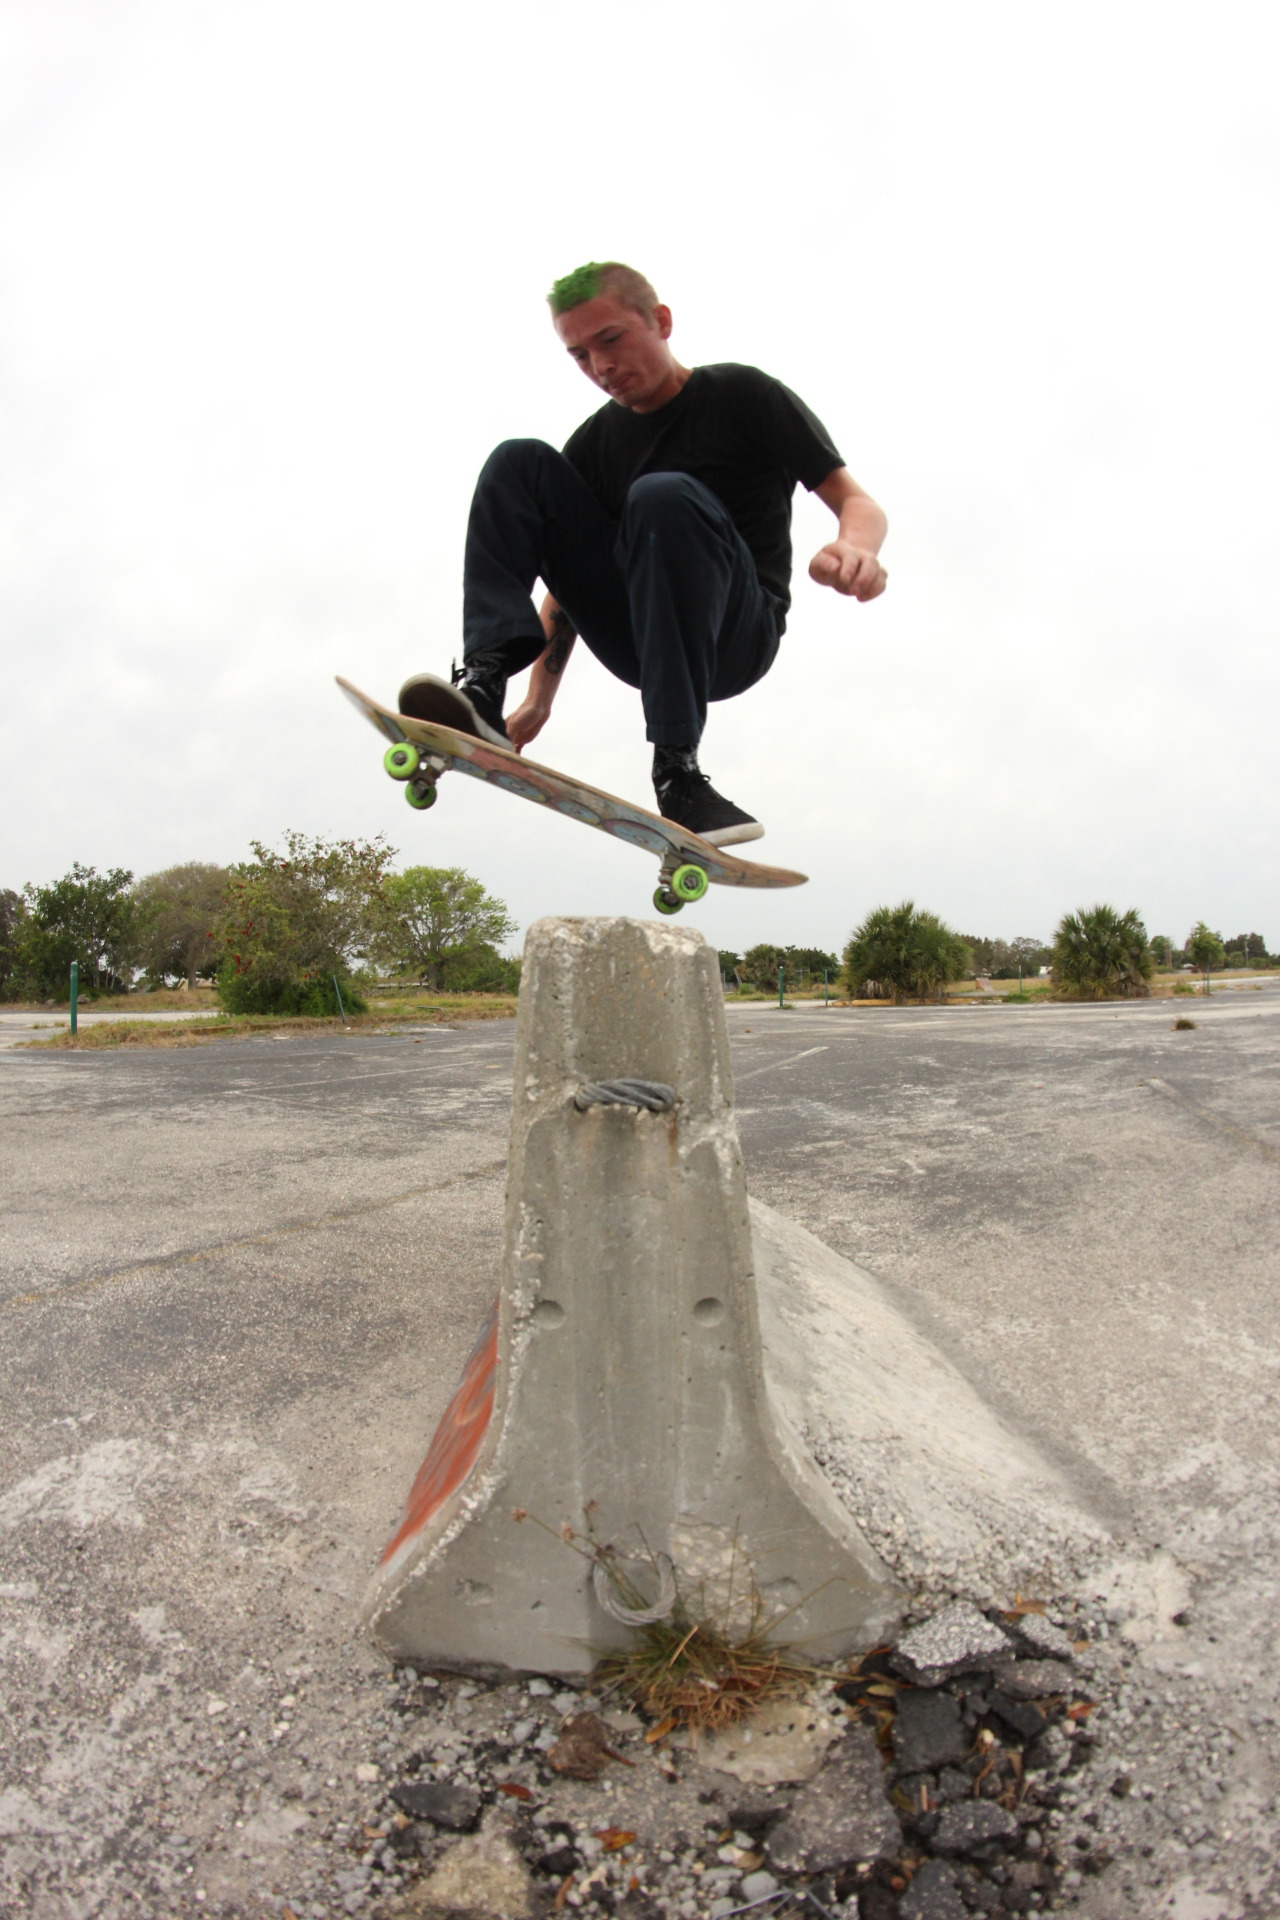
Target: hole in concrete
(548,1313)
(709,1312)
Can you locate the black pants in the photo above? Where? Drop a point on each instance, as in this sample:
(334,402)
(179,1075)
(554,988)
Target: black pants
(667,598)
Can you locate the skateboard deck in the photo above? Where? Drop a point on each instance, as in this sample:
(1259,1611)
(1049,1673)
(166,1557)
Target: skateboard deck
(420,751)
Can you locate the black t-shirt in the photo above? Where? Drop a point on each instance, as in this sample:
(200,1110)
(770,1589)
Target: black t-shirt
(741,432)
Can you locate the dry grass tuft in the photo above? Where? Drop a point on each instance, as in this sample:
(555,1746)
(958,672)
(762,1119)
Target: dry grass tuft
(691,1674)
(693,1669)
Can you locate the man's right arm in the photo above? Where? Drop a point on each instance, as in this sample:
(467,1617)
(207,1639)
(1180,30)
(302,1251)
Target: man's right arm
(531,716)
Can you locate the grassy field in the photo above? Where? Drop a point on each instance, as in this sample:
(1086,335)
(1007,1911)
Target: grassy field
(1034,991)
(168,1000)
(411,1007)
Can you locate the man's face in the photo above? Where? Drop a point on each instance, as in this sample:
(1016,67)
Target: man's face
(624,353)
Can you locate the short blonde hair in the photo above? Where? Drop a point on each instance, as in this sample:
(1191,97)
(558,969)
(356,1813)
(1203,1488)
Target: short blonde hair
(602,276)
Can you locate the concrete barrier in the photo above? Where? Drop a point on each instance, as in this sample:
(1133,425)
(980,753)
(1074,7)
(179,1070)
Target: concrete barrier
(617,1392)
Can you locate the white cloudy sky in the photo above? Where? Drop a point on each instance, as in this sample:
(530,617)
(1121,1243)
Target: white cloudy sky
(272,285)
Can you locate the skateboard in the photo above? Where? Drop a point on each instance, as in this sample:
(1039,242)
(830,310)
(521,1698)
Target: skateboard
(420,751)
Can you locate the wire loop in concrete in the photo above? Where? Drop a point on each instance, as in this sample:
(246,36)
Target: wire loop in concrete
(650,1094)
(605,1581)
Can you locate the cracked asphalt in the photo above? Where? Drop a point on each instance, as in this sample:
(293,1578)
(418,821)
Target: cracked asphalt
(238,1281)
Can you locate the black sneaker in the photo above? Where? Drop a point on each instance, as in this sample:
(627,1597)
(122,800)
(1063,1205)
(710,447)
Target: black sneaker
(470,702)
(688,797)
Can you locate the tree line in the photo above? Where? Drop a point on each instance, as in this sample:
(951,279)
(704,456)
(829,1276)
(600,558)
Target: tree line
(758,967)
(274,932)
(271,933)
(1097,953)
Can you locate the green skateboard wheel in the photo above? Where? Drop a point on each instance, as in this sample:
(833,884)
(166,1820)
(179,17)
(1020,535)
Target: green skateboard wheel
(666,901)
(689,883)
(402,761)
(420,794)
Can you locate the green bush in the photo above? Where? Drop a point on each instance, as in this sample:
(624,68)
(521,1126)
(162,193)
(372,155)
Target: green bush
(482,970)
(900,954)
(295,919)
(1099,954)
(249,993)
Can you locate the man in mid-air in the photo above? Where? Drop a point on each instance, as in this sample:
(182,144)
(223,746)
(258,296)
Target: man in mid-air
(663,535)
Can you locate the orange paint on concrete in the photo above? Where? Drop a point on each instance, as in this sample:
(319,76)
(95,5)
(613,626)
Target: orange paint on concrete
(455,1445)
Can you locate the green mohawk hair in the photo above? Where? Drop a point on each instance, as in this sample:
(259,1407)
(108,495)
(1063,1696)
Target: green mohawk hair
(576,288)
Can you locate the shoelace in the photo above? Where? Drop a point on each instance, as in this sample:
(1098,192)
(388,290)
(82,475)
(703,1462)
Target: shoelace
(682,778)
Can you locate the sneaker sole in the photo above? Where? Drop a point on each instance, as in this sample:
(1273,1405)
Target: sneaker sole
(733,836)
(427,697)
(722,836)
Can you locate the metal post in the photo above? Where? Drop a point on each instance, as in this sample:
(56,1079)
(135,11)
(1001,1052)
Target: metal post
(75,991)
(781,976)
(826,997)
(338,990)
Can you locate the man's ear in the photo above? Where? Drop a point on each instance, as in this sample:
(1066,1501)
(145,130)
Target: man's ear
(662,320)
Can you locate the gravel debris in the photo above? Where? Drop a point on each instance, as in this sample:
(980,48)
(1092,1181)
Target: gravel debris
(386,1789)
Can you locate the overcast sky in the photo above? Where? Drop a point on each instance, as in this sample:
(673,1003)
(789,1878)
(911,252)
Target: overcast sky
(273,279)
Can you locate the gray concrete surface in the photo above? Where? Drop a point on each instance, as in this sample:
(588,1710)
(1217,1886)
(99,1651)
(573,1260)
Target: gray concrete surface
(1081,1207)
(238,1282)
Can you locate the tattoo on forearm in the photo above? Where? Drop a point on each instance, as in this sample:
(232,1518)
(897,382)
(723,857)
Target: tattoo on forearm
(563,636)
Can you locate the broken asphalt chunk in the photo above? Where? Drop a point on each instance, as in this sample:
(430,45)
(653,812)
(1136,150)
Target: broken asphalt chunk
(928,1732)
(1040,1638)
(933,1894)
(970,1824)
(959,1639)
(841,1815)
(1019,1716)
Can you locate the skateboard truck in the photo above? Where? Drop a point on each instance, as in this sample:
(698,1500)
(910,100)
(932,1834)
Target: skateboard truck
(420,772)
(679,885)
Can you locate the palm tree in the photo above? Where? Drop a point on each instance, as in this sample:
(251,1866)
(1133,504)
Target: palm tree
(1205,949)
(1099,954)
(905,954)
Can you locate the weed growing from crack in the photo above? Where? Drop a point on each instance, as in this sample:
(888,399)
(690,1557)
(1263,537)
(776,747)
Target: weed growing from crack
(689,1672)
(695,1669)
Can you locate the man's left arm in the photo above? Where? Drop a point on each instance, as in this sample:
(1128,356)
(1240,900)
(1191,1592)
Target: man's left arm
(850,563)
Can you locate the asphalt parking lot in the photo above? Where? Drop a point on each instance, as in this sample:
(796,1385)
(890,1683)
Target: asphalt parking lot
(238,1281)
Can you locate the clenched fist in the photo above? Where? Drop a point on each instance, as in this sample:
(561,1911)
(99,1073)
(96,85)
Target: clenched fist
(850,570)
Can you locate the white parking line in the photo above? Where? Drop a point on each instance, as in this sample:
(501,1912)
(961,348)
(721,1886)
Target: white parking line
(776,1066)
